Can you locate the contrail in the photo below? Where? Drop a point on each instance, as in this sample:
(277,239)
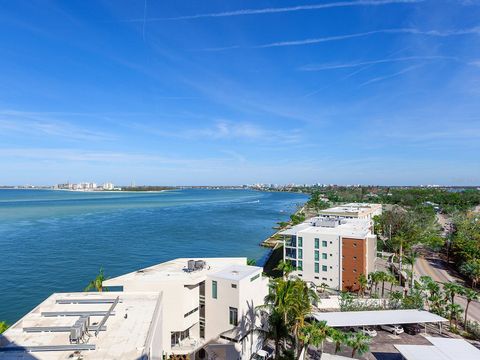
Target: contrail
(380,78)
(436,33)
(144,19)
(244,12)
(322,67)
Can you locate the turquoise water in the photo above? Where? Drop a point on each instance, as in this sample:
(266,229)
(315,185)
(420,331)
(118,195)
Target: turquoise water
(53,241)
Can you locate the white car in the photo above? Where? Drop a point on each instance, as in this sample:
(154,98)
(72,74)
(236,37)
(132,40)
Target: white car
(366,330)
(262,355)
(369,331)
(394,329)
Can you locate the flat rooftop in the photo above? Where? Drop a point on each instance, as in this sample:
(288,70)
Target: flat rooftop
(174,270)
(355,228)
(237,272)
(123,336)
(441,349)
(376,317)
(351,209)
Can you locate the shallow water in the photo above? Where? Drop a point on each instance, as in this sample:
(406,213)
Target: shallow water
(54,241)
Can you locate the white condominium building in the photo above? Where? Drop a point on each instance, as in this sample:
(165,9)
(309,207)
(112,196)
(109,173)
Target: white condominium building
(192,308)
(364,211)
(334,251)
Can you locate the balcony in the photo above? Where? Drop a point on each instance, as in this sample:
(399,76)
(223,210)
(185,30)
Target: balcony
(187,345)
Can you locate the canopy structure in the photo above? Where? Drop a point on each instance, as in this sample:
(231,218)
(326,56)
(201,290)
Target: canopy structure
(441,349)
(378,317)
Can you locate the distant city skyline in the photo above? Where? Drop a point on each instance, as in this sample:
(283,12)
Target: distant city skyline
(380,92)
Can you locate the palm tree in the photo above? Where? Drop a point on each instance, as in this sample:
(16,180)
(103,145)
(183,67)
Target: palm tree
(300,307)
(286,267)
(314,334)
(362,283)
(359,343)
(3,326)
(374,278)
(392,279)
(323,287)
(338,337)
(97,283)
(251,262)
(276,330)
(412,259)
(383,276)
(450,290)
(470,295)
(454,312)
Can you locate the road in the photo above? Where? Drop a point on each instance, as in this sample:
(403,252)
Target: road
(435,268)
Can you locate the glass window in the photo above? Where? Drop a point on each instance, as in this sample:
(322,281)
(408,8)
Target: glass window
(317,268)
(317,243)
(317,257)
(324,268)
(214,289)
(324,255)
(300,253)
(324,243)
(300,242)
(300,266)
(233,315)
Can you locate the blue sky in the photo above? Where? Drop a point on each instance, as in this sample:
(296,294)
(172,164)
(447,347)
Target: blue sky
(233,92)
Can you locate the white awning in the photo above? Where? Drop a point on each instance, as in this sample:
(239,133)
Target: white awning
(380,317)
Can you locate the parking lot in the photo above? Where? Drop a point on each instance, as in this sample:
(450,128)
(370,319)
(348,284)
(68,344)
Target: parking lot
(382,345)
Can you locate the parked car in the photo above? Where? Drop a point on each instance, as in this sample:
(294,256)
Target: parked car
(412,329)
(263,355)
(366,330)
(394,329)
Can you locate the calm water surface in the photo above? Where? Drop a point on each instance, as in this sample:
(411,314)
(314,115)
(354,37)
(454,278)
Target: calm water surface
(53,241)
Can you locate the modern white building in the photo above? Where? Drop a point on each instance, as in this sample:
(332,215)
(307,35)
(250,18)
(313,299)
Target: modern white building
(365,211)
(201,309)
(123,320)
(334,251)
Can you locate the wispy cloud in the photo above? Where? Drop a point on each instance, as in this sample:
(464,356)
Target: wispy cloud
(229,130)
(276,10)
(401,72)
(322,67)
(34,124)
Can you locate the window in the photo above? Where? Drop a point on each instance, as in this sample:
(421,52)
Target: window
(214,289)
(316,277)
(354,258)
(300,266)
(317,243)
(300,253)
(324,267)
(324,256)
(234,286)
(300,242)
(317,268)
(317,255)
(355,244)
(233,316)
(253,278)
(324,243)
(324,278)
